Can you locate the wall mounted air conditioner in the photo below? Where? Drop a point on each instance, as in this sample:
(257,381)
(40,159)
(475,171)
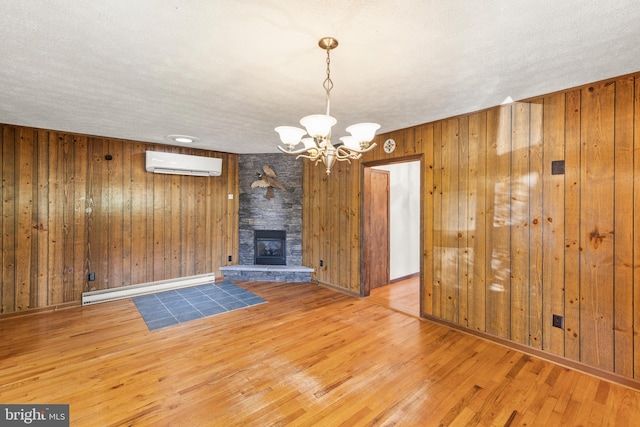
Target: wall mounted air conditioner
(183,164)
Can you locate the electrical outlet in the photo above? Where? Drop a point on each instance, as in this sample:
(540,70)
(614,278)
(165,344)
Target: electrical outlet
(557,167)
(229,258)
(558,321)
(321,263)
(92,276)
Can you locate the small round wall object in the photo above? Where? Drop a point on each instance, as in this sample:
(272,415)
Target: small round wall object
(389,145)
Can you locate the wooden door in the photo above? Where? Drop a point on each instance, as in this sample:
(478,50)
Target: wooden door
(375,229)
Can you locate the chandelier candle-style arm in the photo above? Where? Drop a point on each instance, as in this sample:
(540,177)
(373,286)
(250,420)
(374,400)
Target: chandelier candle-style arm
(359,150)
(328,157)
(318,145)
(352,153)
(289,150)
(316,157)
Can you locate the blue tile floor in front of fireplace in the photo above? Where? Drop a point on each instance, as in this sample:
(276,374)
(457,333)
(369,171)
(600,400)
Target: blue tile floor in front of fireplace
(172,307)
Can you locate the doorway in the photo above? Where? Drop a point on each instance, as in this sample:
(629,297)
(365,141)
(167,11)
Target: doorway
(392,242)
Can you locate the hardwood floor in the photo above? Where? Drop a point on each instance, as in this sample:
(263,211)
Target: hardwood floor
(309,356)
(403,296)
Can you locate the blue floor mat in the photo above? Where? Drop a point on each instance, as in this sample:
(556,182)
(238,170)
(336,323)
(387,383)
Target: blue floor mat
(173,307)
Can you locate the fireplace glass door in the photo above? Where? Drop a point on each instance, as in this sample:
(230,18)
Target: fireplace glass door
(270,247)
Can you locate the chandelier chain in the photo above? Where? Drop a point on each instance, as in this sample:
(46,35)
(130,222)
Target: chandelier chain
(328,83)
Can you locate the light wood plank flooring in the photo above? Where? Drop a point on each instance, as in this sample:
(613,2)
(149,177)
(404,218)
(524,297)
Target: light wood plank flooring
(403,296)
(310,356)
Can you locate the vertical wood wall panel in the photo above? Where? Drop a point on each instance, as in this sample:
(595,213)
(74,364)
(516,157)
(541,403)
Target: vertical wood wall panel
(24,204)
(450,231)
(127,213)
(352,233)
(307,224)
(187,248)
(97,241)
(175,228)
(438,239)
(596,225)
(56,220)
(68,211)
(139,215)
(67,193)
(115,211)
(233,206)
(623,228)
(536,231)
(426,145)
(553,295)
(208,230)
(199,239)
(498,223)
(40,290)
(521,183)
(332,199)
(161,236)
(537,243)
(9,234)
(219,225)
(343,223)
(571,301)
(465,280)
(80,270)
(478,203)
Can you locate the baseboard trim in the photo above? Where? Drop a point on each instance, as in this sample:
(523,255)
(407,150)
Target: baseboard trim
(403,278)
(336,288)
(39,310)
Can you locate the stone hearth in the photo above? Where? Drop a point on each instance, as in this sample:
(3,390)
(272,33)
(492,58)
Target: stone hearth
(267,273)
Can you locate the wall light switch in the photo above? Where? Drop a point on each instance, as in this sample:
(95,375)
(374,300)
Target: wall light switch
(230,196)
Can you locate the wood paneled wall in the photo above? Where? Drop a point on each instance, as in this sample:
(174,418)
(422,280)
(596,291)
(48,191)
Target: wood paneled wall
(67,211)
(507,243)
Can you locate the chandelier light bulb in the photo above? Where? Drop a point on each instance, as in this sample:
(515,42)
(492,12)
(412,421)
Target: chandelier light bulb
(318,125)
(363,132)
(290,135)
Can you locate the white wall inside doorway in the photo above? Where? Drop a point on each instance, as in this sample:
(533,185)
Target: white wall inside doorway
(404,218)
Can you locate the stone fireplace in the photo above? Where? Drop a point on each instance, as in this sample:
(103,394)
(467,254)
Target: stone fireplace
(257,214)
(282,212)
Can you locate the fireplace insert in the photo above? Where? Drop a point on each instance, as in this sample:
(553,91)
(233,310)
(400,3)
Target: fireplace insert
(270,247)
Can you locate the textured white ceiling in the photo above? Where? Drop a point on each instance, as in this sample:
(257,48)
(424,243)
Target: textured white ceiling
(229,71)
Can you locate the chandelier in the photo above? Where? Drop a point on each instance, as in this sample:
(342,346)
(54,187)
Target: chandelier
(317,145)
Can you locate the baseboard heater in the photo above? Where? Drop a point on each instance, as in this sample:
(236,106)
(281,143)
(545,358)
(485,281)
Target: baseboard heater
(105,295)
